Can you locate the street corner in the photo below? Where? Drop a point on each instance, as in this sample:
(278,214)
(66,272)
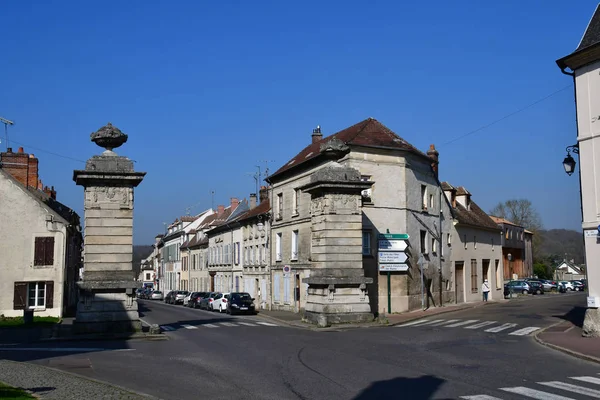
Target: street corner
(565,337)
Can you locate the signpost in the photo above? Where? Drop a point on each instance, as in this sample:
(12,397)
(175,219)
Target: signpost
(391,256)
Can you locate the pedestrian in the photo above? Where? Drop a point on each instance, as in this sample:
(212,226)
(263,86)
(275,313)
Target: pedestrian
(485,289)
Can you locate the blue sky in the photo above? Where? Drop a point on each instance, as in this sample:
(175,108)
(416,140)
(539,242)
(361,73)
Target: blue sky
(207,90)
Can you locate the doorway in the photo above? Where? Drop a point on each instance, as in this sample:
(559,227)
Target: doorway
(297,292)
(459,281)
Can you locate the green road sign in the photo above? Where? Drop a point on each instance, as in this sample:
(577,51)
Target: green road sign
(393,236)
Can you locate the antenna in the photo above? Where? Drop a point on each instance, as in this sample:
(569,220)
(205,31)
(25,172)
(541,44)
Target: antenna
(212,199)
(6,123)
(266,174)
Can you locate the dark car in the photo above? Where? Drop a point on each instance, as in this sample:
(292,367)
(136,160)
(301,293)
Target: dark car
(240,303)
(205,303)
(578,286)
(195,298)
(170,297)
(537,287)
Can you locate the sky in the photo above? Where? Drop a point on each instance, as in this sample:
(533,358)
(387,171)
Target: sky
(207,91)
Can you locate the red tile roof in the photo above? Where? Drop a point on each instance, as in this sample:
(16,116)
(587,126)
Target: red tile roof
(368,133)
(262,208)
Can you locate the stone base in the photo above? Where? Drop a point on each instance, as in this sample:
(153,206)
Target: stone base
(106,309)
(324,319)
(591,323)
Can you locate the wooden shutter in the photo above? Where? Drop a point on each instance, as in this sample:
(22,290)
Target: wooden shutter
(49,294)
(38,256)
(20,296)
(49,250)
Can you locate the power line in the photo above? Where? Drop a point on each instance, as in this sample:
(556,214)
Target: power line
(48,152)
(508,115)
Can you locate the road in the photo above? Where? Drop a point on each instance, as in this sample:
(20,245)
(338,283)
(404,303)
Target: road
(217,356)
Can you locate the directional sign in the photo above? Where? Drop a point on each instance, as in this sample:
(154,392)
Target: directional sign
(393,267)
(390,244)
(392,257)
(393,236)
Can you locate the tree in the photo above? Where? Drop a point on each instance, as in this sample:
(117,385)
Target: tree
(522,213)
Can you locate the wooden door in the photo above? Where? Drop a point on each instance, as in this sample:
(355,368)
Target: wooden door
(459,281)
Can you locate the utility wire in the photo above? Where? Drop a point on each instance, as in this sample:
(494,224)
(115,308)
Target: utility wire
(508,115)
(46,151)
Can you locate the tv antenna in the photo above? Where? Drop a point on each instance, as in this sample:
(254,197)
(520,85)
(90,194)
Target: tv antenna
(6,123)
(212,199)
(266,173)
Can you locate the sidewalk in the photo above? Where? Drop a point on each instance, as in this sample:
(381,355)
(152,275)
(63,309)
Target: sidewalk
(295,319)
(566,336)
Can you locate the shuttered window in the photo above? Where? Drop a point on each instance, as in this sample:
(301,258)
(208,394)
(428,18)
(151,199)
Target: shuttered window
(33,295)
(286,289)
(276,287)
(44,251)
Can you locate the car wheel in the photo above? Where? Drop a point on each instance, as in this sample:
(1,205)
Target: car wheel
(525,291)
(577,289)
(539,292)
(221,309)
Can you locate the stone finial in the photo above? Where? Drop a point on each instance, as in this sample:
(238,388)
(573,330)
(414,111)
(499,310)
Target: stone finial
(334,145)
(110,137)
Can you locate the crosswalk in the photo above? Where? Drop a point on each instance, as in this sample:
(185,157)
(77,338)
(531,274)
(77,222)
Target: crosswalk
(486,326)
(170,328)
(550,390)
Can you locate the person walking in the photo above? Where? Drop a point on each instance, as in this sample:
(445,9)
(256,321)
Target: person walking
(485,289)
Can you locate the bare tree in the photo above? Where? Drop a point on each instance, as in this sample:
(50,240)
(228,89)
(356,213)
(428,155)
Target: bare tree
(520,212)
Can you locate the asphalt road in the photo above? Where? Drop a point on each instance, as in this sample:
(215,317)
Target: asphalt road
(213,355)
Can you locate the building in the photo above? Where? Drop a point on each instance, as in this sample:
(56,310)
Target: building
(476,248)
(568,271)
(516,241)
(189,262)
(40,242)
(405,197)
(171,254)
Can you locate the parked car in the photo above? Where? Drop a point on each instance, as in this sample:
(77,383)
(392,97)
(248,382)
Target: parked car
(156,295)
(518,286)
(195,299)
(220,302)
(207,302)
(578,286)
(567,285)
(170,297)
(190,299)
(179,296)
(549,286)
(536,287)
(240,303)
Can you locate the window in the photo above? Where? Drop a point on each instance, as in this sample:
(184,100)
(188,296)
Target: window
(366,243)
(424,197)
(276,287)
(263,250)
(366,194)
(465,240)
(279,214)
(474,282)
(278,246)
(33,295)
(506,233)
(44,251)
(148,276)
(286,288)
(423,242)
(475,242)
(295,202)
(433,246)
(431,202)
(294,245)
(448,240)
(499,279)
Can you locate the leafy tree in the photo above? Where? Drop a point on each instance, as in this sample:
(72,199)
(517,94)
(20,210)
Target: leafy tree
(542,271)
(521,212)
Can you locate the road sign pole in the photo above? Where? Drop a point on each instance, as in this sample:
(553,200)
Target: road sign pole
(389,292)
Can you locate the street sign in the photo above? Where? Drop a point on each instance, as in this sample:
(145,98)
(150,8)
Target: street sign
(388,257)
(393,236)
(393,267)
(387,244)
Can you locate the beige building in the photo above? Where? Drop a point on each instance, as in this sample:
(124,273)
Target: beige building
(40,243)
(476,248)
(406,197)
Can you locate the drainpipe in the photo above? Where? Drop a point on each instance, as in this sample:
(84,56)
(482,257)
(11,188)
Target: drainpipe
(63,259)
(441,238)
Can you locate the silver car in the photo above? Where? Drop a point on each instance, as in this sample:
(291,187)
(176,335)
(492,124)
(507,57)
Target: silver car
(157,295)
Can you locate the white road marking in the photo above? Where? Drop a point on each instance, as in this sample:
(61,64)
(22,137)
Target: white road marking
(535,394)
(228,324)
(167,328)
(266,323)
(525,331)
(588,379)
(418,322)
(60,349)
(480,325)
(573,388)
(246,323)
(147,323)
(462,323)
(449,321)
(189,326)
(435,321)
(480,397)
(210,325)
(500,328)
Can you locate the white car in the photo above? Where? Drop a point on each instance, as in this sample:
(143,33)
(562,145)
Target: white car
(567,285)
(156,295)
(220,302)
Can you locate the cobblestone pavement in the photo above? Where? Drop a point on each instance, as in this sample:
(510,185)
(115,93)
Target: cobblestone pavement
(48,383)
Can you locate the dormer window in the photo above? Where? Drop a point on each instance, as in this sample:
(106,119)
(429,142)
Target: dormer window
(424,197)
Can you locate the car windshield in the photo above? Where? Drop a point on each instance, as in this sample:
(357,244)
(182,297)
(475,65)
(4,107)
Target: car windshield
(243,296)
(157,292)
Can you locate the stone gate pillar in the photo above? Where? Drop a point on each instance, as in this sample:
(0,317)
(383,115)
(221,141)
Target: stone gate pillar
(337,286)
(107,301)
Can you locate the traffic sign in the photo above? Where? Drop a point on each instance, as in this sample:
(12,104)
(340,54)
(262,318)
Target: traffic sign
(392,244)
(393,236)
(393,267)
(388,257)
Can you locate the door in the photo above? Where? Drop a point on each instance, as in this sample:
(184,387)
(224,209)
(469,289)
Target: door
(297,292)
(237,283)
(459,281)
(212,282)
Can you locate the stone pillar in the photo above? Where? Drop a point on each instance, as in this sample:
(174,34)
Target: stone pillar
(337,286)
(107,302)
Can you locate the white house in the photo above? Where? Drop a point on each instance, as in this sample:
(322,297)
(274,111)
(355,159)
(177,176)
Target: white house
(40,242)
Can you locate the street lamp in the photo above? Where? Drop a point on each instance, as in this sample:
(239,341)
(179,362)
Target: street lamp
(569,162)
(510,287)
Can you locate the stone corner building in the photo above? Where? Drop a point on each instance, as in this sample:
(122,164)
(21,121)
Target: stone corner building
(405,196)
(107,292)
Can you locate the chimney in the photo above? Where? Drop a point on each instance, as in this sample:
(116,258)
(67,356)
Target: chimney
(263,194)
(434,155)
(220,210)
(21,150)
(317,135)
(252,200)
(234,203)
(22,166)
(50,192)
(9,149)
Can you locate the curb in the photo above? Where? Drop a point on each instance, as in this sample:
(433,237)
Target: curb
(563,349)
(104,338)
(85,378)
